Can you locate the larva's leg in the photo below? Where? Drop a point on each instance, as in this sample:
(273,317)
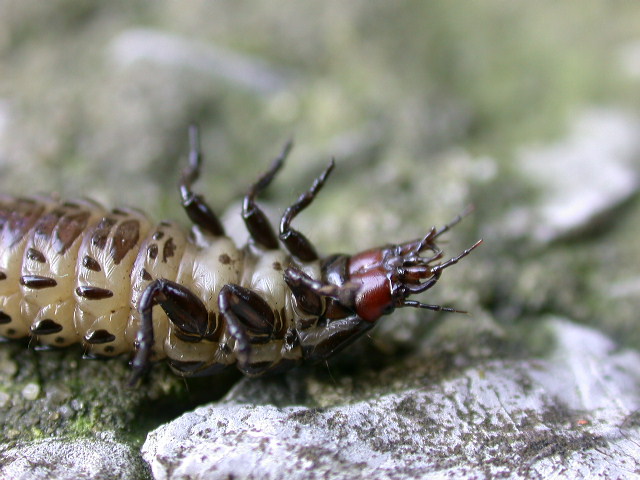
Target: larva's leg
(328,336)
(183,308)
(304,289)
(324,340)
(249,319)
(294,241)
(195,205)
(254,218)
(308,291)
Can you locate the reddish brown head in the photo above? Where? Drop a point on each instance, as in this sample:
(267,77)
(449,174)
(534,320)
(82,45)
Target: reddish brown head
(388,276)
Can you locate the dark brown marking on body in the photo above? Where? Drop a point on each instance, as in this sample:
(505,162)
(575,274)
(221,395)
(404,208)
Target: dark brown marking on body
(99,336)
(11,331)
(45,327)
(4,318)
(18,217)
(145,275)
(119,211)
(124,239)
(36,255)
(224,259)
(59,340)
(109,349)
(277,266)
(93,293)
(46,224)
(69,204)
(152,251)
(69,228)
(91,263)
(37,281)
(168,250)
(158,235)
(165,223)
(101,232)
(3,276)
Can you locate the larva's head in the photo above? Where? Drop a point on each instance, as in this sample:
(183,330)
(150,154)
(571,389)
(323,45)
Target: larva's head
(387,276)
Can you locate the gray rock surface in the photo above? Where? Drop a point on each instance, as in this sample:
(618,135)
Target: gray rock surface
(573,415)
(68,459)
(581,177)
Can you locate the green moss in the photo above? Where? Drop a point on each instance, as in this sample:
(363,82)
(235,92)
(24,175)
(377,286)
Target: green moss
(81,427)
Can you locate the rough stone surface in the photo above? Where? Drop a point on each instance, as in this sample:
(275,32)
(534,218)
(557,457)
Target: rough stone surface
(571,415)
(64,459)
(582,177)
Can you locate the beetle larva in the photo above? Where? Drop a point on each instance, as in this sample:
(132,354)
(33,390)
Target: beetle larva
(73,272)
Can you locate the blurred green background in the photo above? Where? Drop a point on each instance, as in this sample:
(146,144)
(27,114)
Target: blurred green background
(391,81)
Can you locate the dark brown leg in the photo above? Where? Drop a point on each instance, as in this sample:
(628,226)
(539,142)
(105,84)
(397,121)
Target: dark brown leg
(436,271)
(254,218)
(304,289)
(195,205)
(428,241)
(295,242)
(322,341)
(437,308)
(249,319)
(452,261)
(308,291)
(183,308)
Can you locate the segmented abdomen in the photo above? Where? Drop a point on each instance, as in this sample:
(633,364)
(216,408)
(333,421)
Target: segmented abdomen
(73,272)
